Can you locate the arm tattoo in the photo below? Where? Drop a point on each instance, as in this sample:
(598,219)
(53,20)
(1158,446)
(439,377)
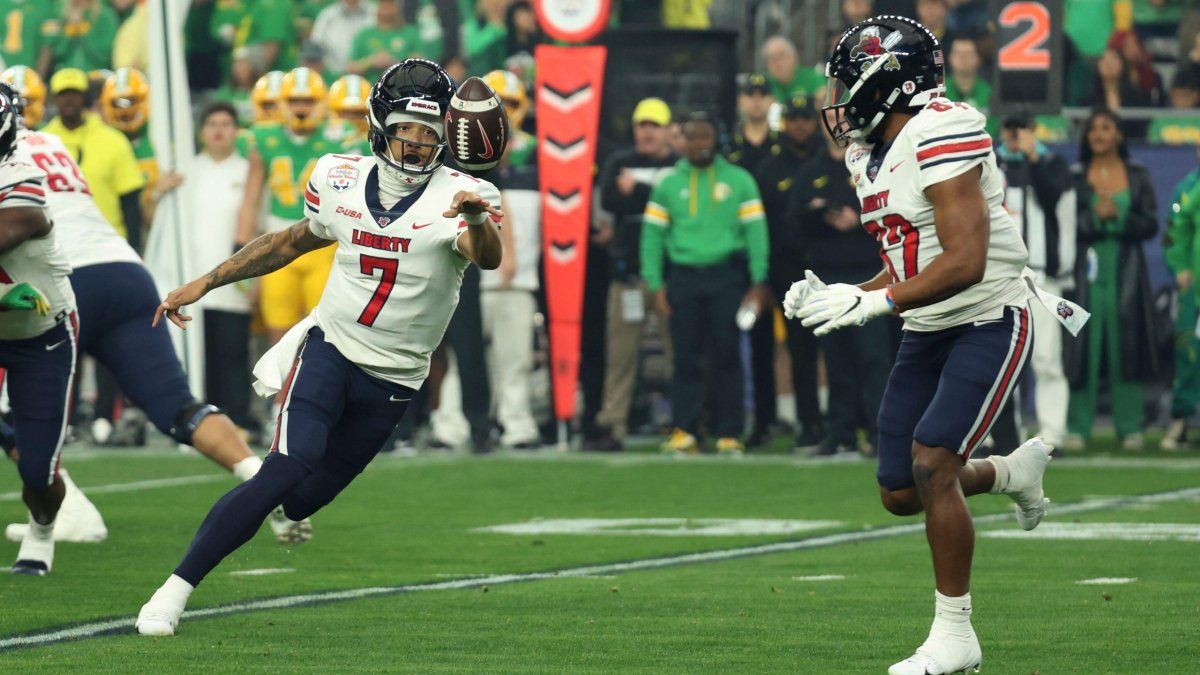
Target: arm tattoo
(263,255)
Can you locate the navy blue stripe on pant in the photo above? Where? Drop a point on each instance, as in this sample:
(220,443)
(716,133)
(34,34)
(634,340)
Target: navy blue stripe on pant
(116,305)
(39,372)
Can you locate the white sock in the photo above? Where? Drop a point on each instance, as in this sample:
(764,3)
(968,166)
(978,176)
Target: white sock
(952,615)
(1002,475)
(38,543)
(246,468)
(174,591)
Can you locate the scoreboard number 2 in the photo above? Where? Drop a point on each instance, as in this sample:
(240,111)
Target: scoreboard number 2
(1030,49)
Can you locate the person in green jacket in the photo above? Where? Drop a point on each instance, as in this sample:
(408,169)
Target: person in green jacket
(82,37)
(1183,259)
(706,218)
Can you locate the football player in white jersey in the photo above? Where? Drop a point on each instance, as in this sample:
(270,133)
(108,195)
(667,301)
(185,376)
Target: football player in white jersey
(115,294)
(406,229)
(932,196)
(38,331)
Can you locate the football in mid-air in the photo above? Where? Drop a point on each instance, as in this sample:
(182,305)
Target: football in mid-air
(476,126)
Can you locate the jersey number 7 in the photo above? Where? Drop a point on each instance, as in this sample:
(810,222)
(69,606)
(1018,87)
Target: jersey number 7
(367,264)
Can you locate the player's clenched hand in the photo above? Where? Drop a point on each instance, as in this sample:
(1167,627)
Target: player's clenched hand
(798,294)
(842,305)
(178,299)
(469,203)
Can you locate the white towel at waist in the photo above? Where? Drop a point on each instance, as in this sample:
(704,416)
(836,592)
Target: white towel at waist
(272,369)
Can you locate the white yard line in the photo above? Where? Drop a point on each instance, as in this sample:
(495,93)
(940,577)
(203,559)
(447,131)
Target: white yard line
(135,486)
(111,626)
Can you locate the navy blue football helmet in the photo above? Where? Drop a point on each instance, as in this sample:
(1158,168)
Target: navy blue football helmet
(882,64)
(417,87)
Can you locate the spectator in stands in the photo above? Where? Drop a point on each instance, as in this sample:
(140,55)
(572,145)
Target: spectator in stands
(33,21)
(524,33)
(485,36)
(1041,200)
(82,36)
(786,75)
(130,48)
(219,171)
(1114,90)
(777,183)
(854,11)
(237,89)
(706,218)
(825,225)
(270,33)
(312,56)
(1182,127)
(934,14)
(507,300)
(386,42)
(1183,259)
(965,82)
(1138,67)
(1115,214)
(754,140)
(336,26)
(104,154)
(625,184)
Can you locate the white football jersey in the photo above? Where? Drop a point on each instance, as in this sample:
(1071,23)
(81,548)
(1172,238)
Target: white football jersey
(942,141)
(396,276)
(84,235)
(37,262)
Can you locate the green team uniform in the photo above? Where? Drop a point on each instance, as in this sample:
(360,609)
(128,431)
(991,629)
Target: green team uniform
(288,160)
(704,217)
(401,44)
(23,30)
(87,45)
(1180,255)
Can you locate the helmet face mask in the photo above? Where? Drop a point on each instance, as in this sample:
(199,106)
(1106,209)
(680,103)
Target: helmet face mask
(881,64)
(302,97)
(125,100)
(416,91)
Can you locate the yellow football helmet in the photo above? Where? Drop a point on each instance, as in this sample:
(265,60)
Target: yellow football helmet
(125,100)
(348,101)
(512,94)
(265,97)
(32,90)
(302,94)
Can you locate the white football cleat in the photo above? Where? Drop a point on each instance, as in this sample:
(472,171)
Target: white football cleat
(288,531)
(1025,468)
(942,654)
(158,617)
(78,520)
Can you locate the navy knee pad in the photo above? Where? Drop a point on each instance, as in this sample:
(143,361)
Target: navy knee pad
(189,417)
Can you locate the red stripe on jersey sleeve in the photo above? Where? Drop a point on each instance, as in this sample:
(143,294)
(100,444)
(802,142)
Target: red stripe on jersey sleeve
(981,144)
(312,197)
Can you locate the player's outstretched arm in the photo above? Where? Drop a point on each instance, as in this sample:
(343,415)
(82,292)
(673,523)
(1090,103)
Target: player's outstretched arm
(265,254)
(21,223)
(960,215)
(481,242)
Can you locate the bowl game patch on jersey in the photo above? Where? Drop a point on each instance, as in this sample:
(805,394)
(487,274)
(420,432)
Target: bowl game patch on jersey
(342,177)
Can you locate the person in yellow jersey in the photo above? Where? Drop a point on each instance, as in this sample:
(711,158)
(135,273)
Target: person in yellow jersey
(523,146)
(283,156)
(32,90)
(104,154)
(125,106)
(348,113)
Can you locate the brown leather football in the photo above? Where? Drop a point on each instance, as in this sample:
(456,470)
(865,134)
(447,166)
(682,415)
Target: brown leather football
(476,126)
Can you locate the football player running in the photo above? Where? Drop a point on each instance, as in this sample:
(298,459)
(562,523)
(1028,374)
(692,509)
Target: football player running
(954,264)
(406,229)
(115,292)
(38,332)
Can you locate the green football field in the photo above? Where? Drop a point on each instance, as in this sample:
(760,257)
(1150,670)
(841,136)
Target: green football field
(633,562)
